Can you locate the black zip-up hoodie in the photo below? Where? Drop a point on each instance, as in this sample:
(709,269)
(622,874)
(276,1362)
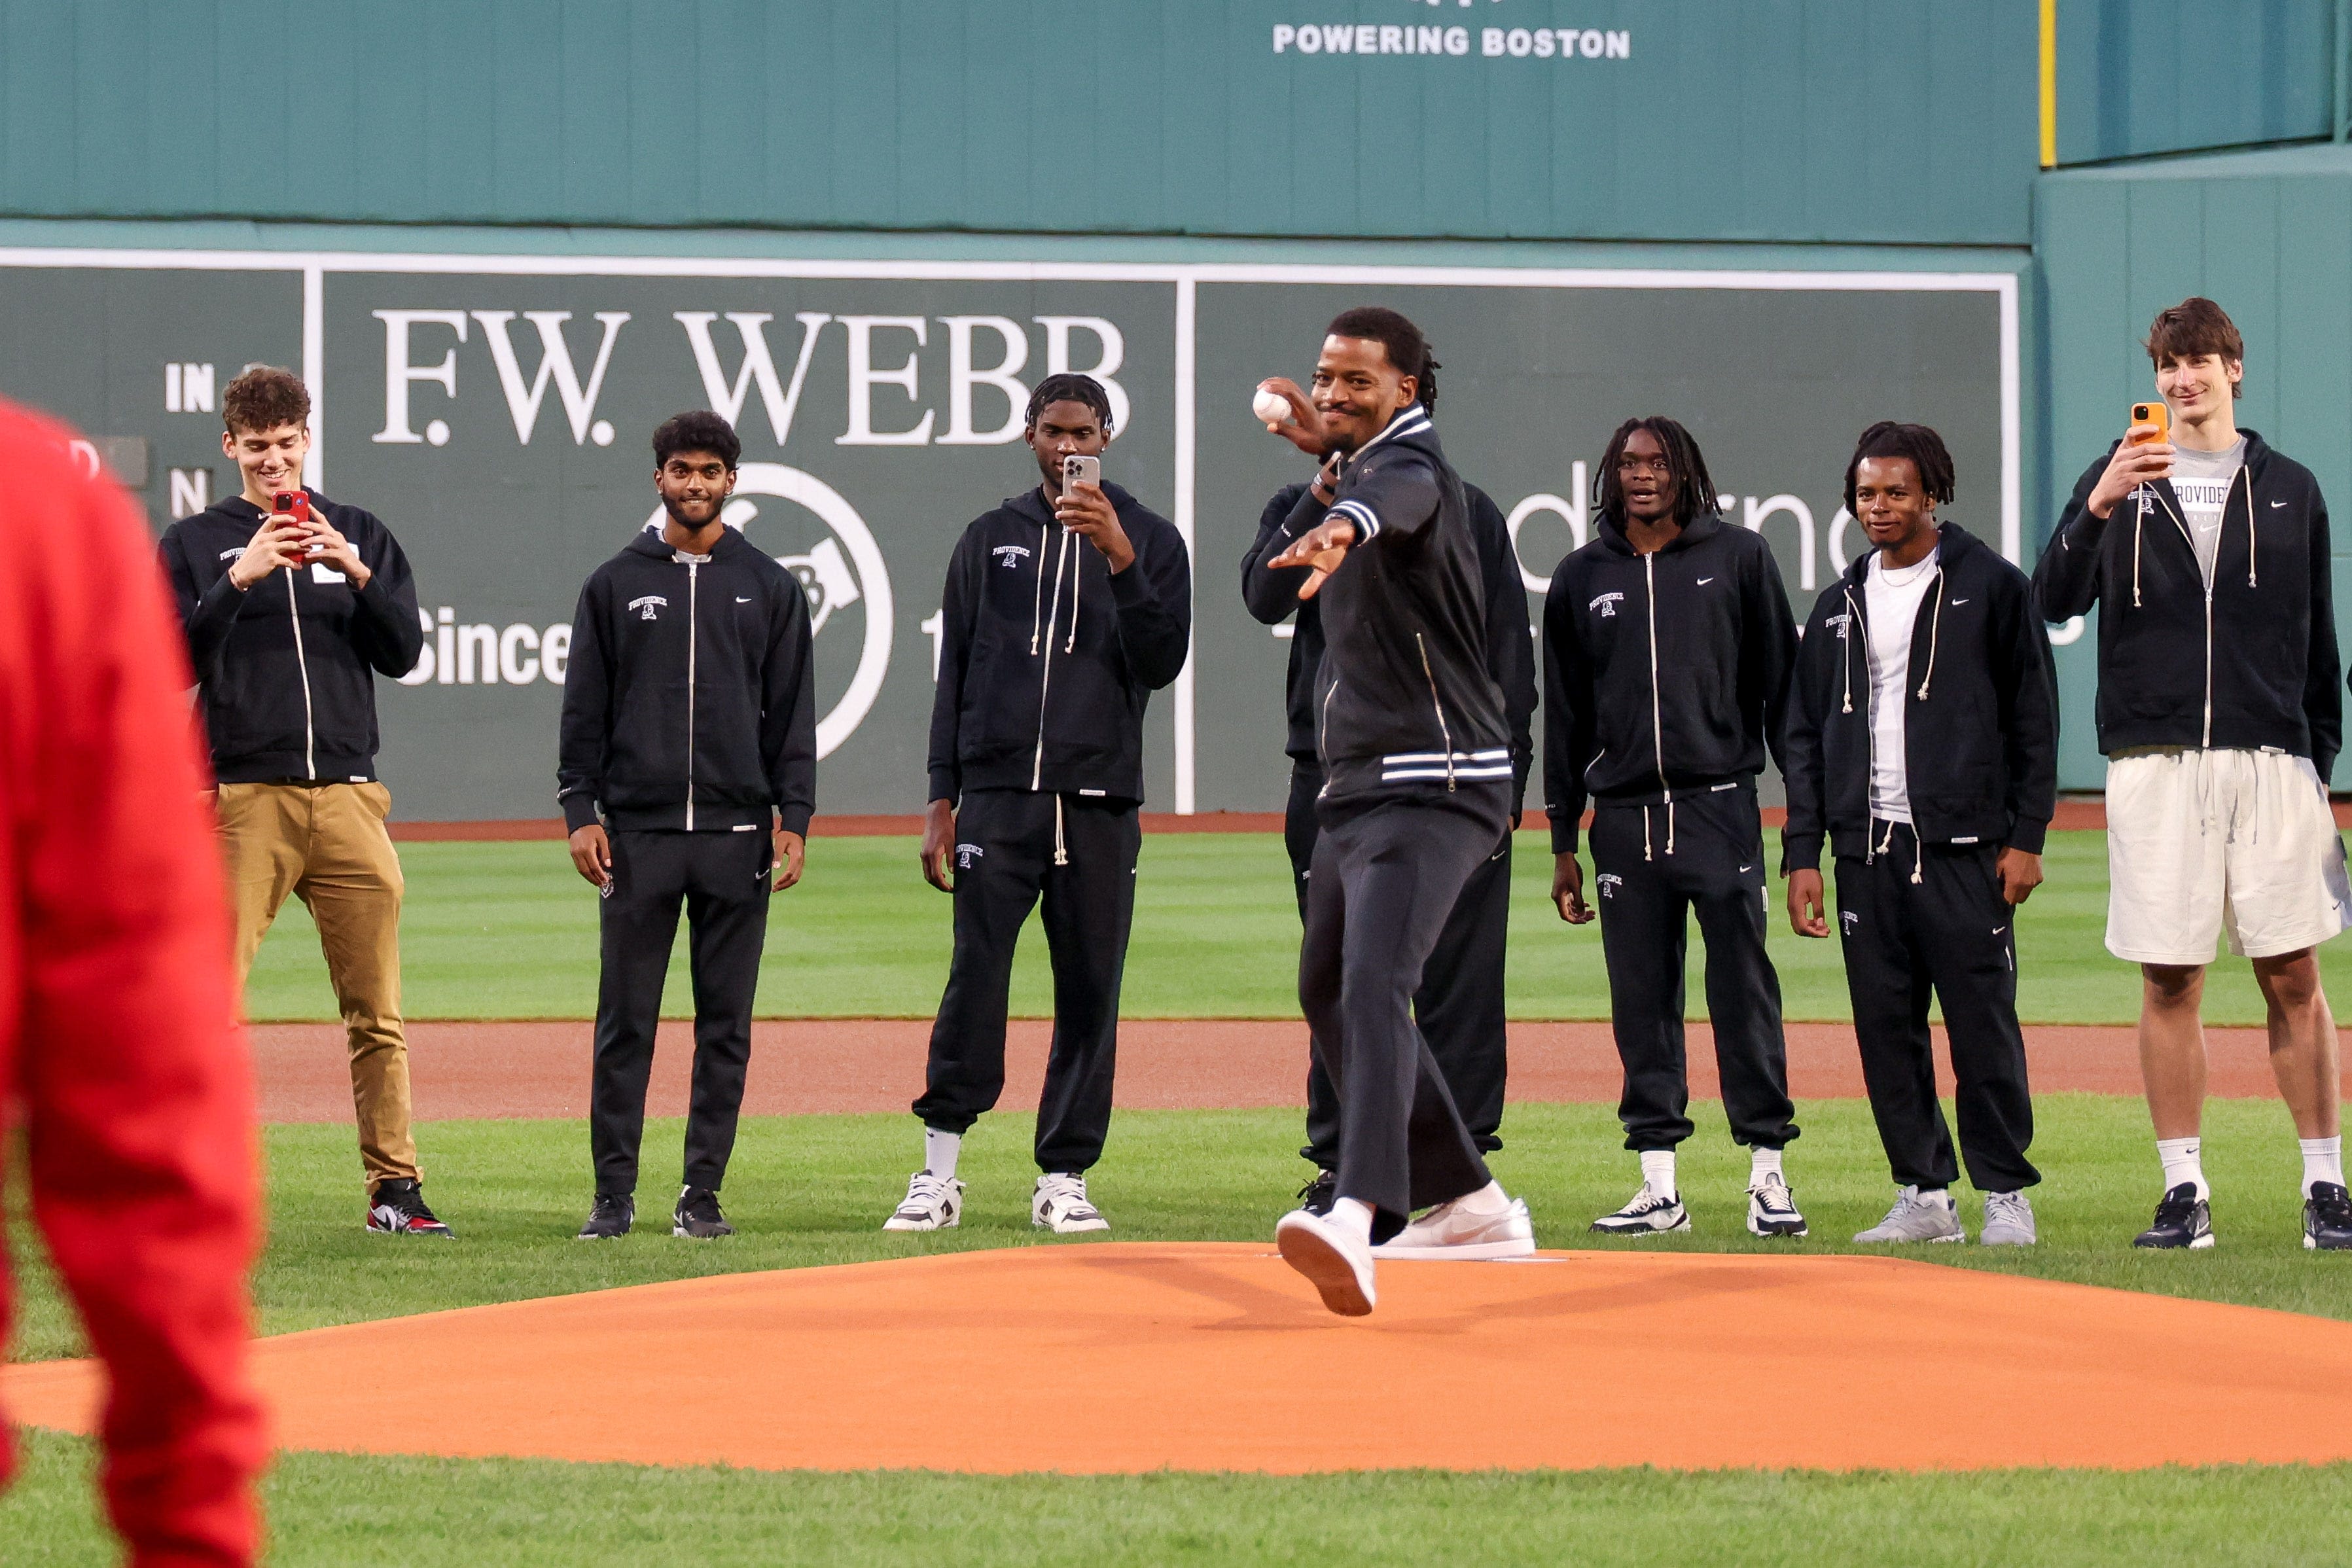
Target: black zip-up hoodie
(1404,697)
(2254,664)
(287,669)
(1047,658)
(1979,712)
(1510,652)
(690,703)
(1665,674)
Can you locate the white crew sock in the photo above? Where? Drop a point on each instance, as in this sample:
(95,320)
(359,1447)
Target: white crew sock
(1489,1199)
(1658,1172)
(1354,1215)
(2323,1161)
(1763,1162)
(939,1152)
(2183,1162)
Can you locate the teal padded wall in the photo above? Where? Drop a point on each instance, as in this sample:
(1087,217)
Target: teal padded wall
(1907,121)
(2142,76)
(2268,235)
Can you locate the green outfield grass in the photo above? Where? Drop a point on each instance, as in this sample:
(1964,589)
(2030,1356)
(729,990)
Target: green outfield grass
(333,1510)
(815,1190)
(509,930)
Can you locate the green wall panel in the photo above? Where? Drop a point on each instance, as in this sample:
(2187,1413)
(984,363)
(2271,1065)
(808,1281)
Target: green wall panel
(2142,76)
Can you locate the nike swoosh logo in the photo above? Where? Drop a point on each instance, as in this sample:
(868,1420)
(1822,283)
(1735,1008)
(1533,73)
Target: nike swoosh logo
(1705,581)
(2276,504)
(742,601)
(1744,869)
(1959,602)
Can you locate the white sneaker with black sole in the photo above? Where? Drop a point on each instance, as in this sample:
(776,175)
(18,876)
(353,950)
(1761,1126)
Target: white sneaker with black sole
(1650,1214)
(932,1203)
(1334,1261)
(1917,1216)
(1060,1206)
(1772,1209)
(1448,1231)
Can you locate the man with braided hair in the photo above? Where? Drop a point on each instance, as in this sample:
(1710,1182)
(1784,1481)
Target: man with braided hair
(1065,608)
(1923,744)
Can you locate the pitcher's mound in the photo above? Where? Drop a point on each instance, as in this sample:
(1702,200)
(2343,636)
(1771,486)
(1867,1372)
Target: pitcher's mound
(1135,1357)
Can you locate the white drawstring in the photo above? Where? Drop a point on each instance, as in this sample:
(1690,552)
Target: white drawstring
(1885,845)
(2140,525)
(1646,833)
(1061,847)
(1918,853)
(1037,609)
(1061,563)
(1935,631)
(1670,824)
(2249,473)
(1853,620)
(1076,581)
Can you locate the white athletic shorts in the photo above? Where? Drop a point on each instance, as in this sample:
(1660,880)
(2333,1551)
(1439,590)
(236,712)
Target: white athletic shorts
(2203,841)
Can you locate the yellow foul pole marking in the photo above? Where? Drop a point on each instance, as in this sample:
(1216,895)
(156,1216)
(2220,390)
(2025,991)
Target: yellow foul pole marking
(2049,84)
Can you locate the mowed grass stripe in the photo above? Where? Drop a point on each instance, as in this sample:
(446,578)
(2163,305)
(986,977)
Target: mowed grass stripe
(509,930)
(332,1509)
(815,1190)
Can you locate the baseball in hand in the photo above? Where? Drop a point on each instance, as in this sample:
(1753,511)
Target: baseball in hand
(1271,407)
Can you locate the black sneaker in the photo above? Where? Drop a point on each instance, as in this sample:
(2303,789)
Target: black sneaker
(1319,1195)
(2183,1219)
(696,1215)
(2328,1218)
(398,1209)
(610,1219)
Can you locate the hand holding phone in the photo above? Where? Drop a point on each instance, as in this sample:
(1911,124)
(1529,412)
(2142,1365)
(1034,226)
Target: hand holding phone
(292,508)
(2150,423)
(2143,457)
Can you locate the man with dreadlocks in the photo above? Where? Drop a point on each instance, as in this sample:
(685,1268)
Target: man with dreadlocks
(1459,1007)
(1923,744)
(1416,794)
(1065,608)
(1667,649)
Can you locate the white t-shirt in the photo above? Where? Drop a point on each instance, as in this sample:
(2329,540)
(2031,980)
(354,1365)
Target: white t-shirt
(1891,602)
(2203,481)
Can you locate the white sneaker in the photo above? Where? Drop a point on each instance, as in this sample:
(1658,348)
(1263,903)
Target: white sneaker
(1060,1206)
(1448,1231)
(933,1203)
(1772,1209)
(1649,1214)
(1917,1216)
(2009,1221)
(1339,1265)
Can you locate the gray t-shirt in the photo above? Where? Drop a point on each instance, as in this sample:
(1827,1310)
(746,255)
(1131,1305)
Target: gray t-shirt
(2202,481)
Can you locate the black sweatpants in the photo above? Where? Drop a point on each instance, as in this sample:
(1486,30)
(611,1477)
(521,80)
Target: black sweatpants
(1654,866)
(1459,1006)
(1004,860)
(722,879)
(1386,875)
(1953,932)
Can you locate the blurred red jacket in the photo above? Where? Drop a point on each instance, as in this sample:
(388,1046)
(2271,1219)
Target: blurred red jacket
(121,1054)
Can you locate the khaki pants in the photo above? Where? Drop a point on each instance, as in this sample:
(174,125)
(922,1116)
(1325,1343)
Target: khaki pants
(326,845)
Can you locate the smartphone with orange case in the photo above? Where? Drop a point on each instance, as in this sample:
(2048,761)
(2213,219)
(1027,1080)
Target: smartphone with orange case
(2157,416)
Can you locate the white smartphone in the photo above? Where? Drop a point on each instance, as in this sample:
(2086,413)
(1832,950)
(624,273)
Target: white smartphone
(1077,470)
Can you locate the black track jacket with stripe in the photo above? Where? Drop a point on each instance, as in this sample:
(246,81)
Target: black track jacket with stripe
(1510,652)
(690,703)
(2250,664)
(1404,693)
(1979,712)
(287,667)
(1665,674)
(1047,658)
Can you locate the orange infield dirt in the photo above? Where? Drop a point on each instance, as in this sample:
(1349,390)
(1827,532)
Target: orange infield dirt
(1127,1357)
(536,1068)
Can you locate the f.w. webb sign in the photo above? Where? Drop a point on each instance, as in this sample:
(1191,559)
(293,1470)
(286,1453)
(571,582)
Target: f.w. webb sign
(495,412)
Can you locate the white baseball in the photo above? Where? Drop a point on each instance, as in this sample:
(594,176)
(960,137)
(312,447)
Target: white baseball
(1271,407)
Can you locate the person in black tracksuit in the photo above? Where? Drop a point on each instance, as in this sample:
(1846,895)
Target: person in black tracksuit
(1460,1007)
(687,775)
(1412,729)
(1667,647)
(1936,844)
(1065,608)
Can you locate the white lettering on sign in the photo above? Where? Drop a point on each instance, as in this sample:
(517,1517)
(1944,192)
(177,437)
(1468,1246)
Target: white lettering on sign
(479,654)
(759,367)
(554,365)
(1012,352)
(864,378)
(1106,367)
(399,375)
(1493,43)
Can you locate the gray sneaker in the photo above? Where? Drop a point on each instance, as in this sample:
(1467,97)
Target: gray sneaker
(1918,1216)
(2009,1221)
